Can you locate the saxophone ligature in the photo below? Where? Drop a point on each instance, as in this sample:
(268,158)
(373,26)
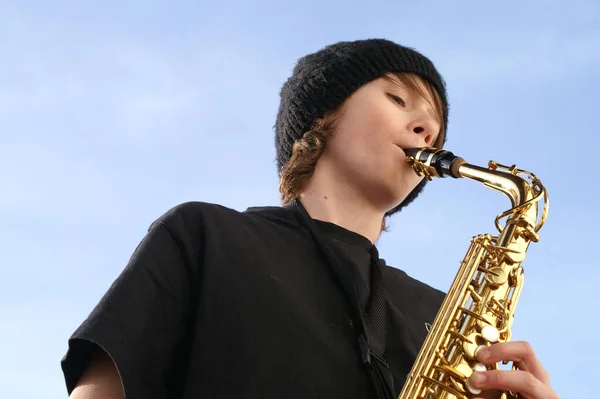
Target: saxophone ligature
(479,307)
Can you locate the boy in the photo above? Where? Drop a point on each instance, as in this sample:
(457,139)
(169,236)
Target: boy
(292,301)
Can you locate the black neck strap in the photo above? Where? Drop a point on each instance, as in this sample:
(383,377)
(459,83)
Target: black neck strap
(371,326)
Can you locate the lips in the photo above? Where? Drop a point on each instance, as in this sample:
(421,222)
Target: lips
(407,147)
(402,147)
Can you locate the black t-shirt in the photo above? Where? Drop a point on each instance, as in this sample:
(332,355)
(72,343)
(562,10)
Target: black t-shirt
(217,303)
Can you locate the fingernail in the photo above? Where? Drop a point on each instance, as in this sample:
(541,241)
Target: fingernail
(478,379)
(484,354)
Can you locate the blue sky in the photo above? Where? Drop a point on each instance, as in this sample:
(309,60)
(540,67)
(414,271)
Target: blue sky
(111,113)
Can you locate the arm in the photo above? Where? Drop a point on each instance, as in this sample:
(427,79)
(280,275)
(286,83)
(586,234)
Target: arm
(141,321)
(100,380)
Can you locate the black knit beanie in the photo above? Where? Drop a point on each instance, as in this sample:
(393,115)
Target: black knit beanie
(323,80)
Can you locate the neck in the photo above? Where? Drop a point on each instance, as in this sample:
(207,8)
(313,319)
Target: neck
(338,204)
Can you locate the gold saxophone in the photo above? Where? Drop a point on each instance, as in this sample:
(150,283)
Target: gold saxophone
(479,307)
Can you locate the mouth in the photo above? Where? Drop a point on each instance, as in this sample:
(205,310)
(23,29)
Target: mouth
(407,151)
(408,148)
(401,148)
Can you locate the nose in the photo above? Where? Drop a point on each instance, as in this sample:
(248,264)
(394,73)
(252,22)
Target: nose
(424,125)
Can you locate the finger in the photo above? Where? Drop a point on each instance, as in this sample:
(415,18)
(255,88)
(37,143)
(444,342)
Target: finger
(519,352)
(493,394)
(519,381)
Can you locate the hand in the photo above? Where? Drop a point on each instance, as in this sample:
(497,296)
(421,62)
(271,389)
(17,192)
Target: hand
(530,381)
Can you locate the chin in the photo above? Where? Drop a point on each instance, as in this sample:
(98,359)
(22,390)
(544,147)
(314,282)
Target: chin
(392,195)
(390,187)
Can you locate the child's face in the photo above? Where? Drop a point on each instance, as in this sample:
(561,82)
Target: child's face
(375,124)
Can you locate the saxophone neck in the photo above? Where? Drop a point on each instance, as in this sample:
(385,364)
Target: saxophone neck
(523,188)
(502,179)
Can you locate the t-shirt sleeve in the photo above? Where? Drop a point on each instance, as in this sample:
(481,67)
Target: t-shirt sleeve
(140,322)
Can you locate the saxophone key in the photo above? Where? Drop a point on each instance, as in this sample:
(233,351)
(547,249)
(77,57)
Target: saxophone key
(490,334)
(475,391)
(472,345)
(496,276)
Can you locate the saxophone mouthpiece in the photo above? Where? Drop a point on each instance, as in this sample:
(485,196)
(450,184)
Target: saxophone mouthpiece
(434,162)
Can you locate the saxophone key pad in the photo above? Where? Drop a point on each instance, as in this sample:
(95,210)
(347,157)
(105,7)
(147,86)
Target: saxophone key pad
(490,333)
(480,347)
(478,368)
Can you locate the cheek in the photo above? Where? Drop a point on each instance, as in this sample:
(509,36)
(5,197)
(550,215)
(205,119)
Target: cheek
(361,144)
(364,138)
(367,127)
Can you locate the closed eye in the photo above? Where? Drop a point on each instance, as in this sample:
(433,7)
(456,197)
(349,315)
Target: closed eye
(397,100)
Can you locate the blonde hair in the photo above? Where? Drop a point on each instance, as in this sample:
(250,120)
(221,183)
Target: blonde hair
(307,150)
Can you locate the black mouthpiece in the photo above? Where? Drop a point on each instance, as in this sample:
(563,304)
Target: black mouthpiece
(444,162)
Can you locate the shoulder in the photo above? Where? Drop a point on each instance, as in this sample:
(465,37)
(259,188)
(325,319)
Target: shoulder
(408,281)
(398,282)
(193,212)
(197,218)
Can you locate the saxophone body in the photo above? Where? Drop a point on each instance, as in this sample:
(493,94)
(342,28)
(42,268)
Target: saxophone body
(479,307)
